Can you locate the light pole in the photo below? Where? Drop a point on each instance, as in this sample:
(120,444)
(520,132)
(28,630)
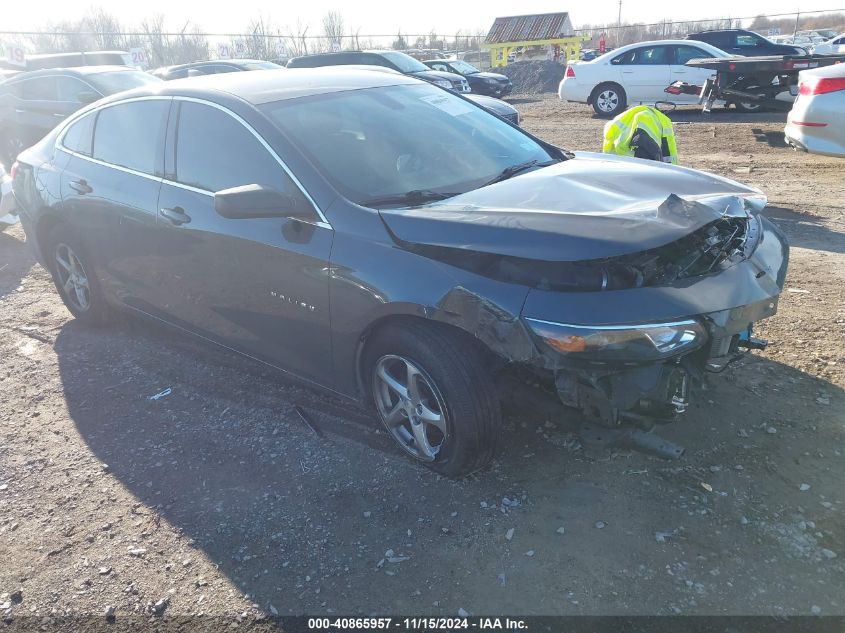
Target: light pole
(619,25)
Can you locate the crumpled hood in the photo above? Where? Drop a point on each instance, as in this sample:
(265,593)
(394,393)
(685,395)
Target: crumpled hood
(590,207)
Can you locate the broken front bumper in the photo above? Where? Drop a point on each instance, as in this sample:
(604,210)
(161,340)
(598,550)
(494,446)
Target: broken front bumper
(722,306)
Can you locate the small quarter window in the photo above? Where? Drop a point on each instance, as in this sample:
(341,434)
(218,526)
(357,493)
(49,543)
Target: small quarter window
(80,135)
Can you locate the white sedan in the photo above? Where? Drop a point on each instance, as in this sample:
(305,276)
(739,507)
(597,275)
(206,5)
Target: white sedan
(816,123)
(833,46)
(635,74)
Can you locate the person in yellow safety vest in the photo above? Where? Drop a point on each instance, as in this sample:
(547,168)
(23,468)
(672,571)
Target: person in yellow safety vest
(642,132)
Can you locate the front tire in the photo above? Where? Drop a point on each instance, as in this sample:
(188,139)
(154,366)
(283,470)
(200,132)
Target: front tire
(74,276)
(608,100)
(434,396)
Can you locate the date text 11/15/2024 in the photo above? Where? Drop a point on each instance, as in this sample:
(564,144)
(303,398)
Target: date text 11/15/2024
(417,623)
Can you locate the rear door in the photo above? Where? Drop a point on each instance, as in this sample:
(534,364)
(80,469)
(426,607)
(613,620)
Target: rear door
(34,109)
(645,72)
(681,54)
(110,190)
(258,285)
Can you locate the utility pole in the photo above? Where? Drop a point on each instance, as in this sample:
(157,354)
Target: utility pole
(619,25)
(795,32)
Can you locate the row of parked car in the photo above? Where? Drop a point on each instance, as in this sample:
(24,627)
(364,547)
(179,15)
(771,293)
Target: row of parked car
(33,102)
(639,73)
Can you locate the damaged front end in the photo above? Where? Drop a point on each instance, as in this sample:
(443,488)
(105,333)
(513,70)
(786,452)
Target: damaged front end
(632,357)
(627,310)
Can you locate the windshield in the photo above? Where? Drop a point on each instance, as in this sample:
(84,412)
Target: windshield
(118,80)
(388,141)
(260,66)
(403,62)
(464,68)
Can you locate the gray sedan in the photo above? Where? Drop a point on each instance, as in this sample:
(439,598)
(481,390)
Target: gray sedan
(816,123)
(389,241)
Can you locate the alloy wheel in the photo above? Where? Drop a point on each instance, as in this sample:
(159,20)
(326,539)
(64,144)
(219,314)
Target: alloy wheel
(410,406)
(72,277)
(607,100)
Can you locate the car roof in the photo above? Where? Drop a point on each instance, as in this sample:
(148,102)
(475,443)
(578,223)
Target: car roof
(721,31)
(80,71)
(658,43)
(215,62)
(49,55)
(274,85)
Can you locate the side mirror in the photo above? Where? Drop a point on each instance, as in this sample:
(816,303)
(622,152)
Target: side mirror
(87,96)
(258,201)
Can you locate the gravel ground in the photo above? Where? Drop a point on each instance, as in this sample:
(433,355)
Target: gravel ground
(218,499)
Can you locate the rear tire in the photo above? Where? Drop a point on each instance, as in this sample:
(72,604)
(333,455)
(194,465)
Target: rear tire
(608,100)
(748,107)
(449,418)
(74,276)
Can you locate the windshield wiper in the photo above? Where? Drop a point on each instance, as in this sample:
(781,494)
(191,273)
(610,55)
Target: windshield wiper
(412,198)
(513,170)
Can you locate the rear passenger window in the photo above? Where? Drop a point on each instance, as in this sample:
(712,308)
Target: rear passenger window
(80,135)
(39,89)
(216,152)
(131,134)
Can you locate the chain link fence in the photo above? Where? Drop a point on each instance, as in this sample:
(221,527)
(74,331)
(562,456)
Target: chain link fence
(262,40)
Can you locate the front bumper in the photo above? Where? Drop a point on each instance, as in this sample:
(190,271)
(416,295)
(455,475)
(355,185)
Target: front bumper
(502,90)
(727,303)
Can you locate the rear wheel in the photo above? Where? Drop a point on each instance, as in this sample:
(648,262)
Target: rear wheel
(73,274)
(750,106)
(608,100)
(434,397)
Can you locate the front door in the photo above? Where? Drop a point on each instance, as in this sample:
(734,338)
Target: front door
(680,72)
(645,73)
(258,285)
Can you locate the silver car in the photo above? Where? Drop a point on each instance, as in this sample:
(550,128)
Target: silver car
(816,123)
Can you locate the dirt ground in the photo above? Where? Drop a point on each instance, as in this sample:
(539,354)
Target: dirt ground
(218,499)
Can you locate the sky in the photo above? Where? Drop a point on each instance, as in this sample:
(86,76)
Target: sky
(384,17)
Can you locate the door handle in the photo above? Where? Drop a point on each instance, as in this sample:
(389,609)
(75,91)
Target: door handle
(80,186)
(176,215)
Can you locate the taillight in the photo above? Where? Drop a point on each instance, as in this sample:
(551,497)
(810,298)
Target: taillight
(570,72)
(821,85)
(13,170)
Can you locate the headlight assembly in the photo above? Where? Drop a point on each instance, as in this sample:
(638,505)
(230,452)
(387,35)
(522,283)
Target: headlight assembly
(621,343)
(443,83)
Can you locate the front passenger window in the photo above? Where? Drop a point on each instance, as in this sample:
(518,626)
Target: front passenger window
(216,152)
